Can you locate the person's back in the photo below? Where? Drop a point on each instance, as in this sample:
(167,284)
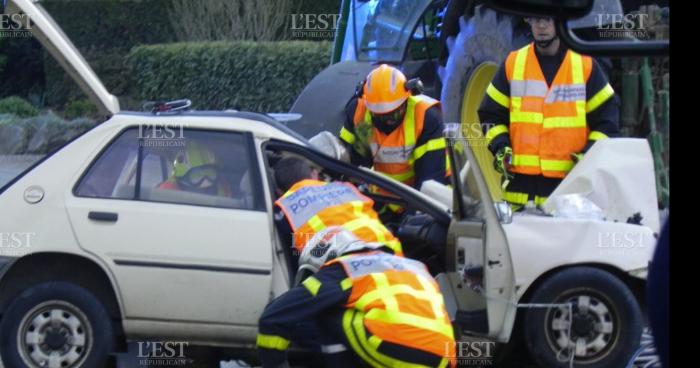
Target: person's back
(398,302)
(371,306)
(311,205)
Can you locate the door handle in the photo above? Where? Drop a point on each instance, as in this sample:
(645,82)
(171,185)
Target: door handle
(103,216)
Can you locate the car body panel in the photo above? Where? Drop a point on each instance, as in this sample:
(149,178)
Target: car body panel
(540,244)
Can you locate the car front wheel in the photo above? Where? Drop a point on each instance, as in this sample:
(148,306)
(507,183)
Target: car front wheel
(596,318)
(56,325)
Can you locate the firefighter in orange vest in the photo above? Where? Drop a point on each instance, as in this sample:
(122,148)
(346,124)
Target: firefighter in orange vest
(396,130)
(373,308)
(309,205)
(544,109)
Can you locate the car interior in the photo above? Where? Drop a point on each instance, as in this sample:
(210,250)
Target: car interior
(115,173)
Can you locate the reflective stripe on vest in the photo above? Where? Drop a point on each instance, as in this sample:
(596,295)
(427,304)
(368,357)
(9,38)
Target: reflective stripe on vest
(547,123)
(312,205)
(304,203)
(396,300)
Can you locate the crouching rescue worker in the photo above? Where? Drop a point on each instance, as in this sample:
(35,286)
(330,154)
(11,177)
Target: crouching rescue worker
(373,308)
(310,205)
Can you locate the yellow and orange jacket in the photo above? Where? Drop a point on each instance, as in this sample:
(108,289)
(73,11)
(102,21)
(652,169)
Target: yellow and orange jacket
(310,206)
(387,303)
(545,123)
(412,152)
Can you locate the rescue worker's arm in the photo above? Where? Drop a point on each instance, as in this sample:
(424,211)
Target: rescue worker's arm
(602,107)
(349,138)
(494,112)
(326,289)
(429,153)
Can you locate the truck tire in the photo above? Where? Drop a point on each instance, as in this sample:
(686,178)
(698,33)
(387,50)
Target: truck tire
(475,53)
(56,324)
(606,327)
(485,37)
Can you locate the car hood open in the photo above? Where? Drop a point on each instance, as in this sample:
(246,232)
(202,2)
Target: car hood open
(50,35)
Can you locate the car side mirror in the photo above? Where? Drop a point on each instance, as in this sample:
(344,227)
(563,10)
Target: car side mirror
(504,212)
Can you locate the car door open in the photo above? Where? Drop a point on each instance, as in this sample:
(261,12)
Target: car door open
(479,284)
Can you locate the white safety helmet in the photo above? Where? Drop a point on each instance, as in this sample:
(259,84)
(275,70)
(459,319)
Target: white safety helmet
(325,246)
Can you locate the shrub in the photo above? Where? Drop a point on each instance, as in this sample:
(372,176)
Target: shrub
(17,106)
(255,76)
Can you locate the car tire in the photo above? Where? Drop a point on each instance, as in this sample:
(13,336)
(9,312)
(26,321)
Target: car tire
(58,323)
(607,320)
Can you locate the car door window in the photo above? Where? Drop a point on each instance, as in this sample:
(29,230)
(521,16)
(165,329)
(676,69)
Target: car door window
(196,167)
(103,176)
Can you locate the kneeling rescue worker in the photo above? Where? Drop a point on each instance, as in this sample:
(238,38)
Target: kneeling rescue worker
(373,308)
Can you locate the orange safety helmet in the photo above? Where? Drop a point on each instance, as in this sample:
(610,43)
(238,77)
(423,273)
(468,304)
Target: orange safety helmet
(385,89)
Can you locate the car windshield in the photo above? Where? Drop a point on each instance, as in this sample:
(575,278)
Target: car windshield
(381,29)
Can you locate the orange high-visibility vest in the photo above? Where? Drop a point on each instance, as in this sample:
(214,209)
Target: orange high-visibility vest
(312,205)
(394,154)
(396,300)
(547,123)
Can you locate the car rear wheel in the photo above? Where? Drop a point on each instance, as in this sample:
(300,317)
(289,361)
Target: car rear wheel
(598,320)
(56,325)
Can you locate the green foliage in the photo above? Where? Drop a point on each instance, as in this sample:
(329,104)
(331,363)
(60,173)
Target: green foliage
(255,76)
(17,106)
(99,25)
(79,108)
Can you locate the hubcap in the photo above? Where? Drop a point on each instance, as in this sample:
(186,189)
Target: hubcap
(54,334)
(590,332)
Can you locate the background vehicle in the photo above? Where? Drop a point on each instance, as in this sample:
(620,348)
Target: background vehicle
(456,46)
(114,258)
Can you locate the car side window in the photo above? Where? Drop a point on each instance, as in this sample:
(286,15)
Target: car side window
(116,164)
(200,168)
(194,167)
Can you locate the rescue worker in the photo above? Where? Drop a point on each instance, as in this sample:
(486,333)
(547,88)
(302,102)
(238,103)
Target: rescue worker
(373,308)
(396,130)
(544,108)
(195,169)
(310,205)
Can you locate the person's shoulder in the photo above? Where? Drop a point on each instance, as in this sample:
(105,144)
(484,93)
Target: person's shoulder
(433,117)
(351,105)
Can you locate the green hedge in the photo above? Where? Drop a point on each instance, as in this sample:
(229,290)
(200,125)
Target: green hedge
(96,25)
(17,106)
(263,76)
(108,65)
(104,31)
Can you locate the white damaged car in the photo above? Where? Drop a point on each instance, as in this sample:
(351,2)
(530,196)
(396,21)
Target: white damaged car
(103,252)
